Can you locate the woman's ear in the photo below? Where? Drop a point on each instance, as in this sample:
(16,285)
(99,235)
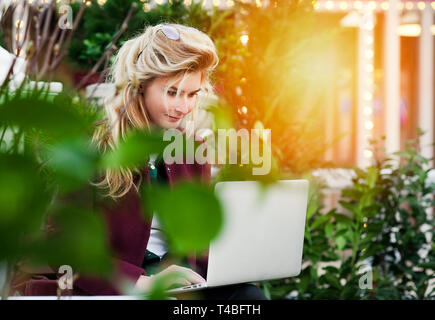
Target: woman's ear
(141,89)
(143,85)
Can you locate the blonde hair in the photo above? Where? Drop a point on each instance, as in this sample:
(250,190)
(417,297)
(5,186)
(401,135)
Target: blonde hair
(140,60)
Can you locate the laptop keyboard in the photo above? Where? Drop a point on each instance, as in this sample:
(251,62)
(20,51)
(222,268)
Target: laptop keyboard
(198,285)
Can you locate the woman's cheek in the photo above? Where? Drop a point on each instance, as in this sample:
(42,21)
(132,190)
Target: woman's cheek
(192,104)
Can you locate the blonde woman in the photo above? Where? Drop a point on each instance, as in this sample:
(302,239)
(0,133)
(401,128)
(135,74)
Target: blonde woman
(157,75)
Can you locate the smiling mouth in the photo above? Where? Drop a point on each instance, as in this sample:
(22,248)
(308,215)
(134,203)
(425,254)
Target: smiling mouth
(173,118)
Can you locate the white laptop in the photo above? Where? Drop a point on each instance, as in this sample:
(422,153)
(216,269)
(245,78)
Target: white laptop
(262,235)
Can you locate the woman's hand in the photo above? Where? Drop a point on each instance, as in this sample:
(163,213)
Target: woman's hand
(185,276)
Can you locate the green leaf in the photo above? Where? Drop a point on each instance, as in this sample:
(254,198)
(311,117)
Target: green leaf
(349,206)
(351,194)
(329,229)
(427,265)
(313,206)
(190,213)
(341,242)
(372,176)
(331,269)
(343,219)
(162,283)
(322,219)
(35,111)
(341,232)
(73,162)
(332,280)
(79,240)
(23,201)
(134,150)
(266,290)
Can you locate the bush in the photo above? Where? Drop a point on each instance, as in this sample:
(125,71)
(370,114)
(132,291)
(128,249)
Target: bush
(382,227)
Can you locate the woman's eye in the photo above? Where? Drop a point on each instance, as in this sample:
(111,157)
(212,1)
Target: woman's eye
(174,93)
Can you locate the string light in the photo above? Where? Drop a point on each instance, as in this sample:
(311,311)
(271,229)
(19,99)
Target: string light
(421,5)
(369,54)
(366,30)
(343,5)
(368,96)
(18,24)
(357,5)
(409,30)
(329,5)
(370,25)
(146,7)
(369,40)
(368,111)
(369,125)
(244,39)
(368,153)
(238,91)
(409,6)
(369,68)
(372,5)
(385,5)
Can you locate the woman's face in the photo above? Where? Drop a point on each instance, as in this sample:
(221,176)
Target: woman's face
(178,107)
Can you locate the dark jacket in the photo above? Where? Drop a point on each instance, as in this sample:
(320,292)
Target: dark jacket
(128,232)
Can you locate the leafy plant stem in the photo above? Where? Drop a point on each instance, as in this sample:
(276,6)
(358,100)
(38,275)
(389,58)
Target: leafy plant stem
(3,134)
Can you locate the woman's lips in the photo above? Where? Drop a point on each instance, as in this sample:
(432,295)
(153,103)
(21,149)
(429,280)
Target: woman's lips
(173,119)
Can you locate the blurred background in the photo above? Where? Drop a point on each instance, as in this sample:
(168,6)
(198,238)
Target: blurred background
(367,66)
(342,85)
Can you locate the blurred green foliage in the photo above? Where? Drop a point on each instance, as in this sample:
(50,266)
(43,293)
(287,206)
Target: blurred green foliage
(196,208)
(46,162)
(137,146)
(23,201)
(48,209)
(382,225)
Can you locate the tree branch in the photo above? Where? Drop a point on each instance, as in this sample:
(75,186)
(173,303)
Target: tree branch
(108,53)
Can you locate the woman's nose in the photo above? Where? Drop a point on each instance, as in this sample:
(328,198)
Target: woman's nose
(183,108)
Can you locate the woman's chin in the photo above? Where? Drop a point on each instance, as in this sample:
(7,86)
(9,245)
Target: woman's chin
(170,124)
